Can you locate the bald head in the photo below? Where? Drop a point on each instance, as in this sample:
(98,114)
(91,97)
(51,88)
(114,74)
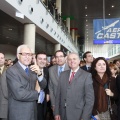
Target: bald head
(2,59)
(73,61)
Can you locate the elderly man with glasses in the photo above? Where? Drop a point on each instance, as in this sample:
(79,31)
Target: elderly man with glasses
(23,86)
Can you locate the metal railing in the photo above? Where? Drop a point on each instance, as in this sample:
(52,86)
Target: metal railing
(50,7)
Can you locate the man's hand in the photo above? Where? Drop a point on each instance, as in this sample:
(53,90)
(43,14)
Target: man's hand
(35,68)
(53,108)
(109,92)
(97,117)
(37,87)
(48,97)
(57,117)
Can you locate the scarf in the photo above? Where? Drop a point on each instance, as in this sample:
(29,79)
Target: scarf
(101,96)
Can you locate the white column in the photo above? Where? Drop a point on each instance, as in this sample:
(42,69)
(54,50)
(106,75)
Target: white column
(43,1)
(58,6)
(37,1)
(68,52)
(68,24)
(57,47)
(29,35)
(76,39)
(73,34)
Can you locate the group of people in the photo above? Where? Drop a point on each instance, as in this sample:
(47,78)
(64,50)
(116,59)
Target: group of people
(74,92)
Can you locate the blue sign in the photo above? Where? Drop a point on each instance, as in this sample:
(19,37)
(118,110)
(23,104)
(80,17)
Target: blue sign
(106,31)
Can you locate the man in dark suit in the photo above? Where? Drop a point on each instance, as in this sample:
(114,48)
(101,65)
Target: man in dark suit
(75,94)
(22,88)
(41,59)
(3,89)
(54,73)
(88,58)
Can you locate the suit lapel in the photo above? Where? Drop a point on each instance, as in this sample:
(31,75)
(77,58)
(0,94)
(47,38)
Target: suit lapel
(56,72)
(78,73)
(66,67)
(21,70)
(67,78)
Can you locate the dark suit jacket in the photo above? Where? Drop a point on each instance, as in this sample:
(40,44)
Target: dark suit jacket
(53,81)
(118,88)
(75,100)
(84,68)
(42,108)
(46,76)
(3,95)
(22,93)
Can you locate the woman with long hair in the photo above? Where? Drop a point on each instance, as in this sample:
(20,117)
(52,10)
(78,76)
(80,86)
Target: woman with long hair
(104,88)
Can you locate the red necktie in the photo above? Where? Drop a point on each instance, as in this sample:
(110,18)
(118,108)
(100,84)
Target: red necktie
(71,77)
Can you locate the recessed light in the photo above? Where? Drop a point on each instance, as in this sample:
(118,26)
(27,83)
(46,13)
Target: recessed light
(86,20)
(113,6)
(85,6)
(10,29)
(108,14)
(86,25)
(85,15)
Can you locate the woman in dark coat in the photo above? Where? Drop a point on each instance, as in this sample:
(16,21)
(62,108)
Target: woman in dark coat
(104,88)
(118,87)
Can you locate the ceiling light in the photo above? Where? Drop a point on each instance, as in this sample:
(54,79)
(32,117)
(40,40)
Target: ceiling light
(85,15)
(86,20)
(85,6)
(108,14)
(86,25)
(113,6)
(10,29)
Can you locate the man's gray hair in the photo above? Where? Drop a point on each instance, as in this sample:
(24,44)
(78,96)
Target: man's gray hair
(22,46)
(75,54)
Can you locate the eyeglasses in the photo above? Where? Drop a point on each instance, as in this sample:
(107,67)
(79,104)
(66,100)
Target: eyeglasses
(26,54)
(59,56)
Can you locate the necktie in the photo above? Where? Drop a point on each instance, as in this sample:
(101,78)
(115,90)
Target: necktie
(41,96)
(71,77)
(60,70)
(88,68)
(27,71)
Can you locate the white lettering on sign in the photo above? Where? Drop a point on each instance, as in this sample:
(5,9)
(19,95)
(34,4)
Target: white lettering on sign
(108,35)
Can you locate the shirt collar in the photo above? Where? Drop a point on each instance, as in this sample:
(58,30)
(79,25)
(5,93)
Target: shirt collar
(75,70)
(61,66)
(2,68)
(23,66)
(88,66)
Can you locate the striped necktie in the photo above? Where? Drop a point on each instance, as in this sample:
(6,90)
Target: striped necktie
(71,77)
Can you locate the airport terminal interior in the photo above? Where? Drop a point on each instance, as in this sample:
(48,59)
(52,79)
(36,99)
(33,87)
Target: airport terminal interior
(49,25)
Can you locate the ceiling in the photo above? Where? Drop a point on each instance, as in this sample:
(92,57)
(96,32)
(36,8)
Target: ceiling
(11,31)
(93,9)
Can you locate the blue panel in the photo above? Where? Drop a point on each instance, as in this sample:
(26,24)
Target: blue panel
(106,31)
